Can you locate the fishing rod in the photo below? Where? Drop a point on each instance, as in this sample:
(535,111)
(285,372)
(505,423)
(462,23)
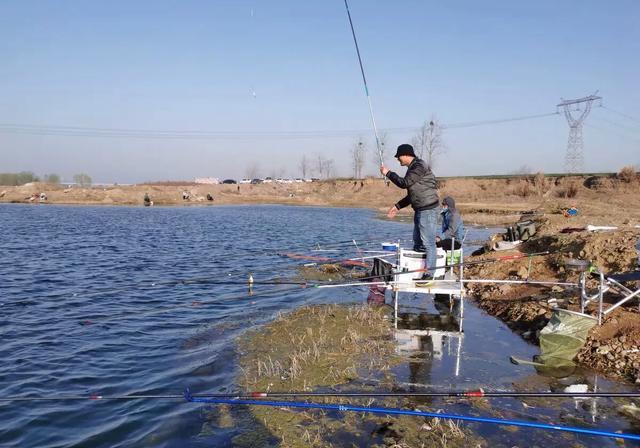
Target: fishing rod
(453,394)
(205,398)
(377,239)
(364,80)
(399,411)
(437,281)
(178,282)
(352,261)
(194,303)
(480,393)
(362,281)
(463,263)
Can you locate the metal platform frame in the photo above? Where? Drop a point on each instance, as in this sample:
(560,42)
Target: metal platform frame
(449,285)
(606,283)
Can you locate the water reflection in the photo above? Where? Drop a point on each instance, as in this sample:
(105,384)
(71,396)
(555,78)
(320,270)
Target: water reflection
(425,336)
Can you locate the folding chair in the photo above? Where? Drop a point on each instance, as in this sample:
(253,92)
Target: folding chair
(608,282)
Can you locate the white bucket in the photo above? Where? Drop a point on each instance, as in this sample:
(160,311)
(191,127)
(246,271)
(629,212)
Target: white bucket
(415,261)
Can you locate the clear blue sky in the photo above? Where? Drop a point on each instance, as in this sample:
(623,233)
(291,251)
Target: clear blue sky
(290,66)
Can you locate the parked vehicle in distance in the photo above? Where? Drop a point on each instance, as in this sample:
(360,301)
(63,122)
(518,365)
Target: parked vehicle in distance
(279,180)
(308,180)
(245,181)
(256,181)
(267,180)
(229,181)
(315,179)
(298,180)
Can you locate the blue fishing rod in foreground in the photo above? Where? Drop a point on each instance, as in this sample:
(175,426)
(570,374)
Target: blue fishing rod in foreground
(396,411)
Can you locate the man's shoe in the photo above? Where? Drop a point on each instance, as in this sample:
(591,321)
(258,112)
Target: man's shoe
(425,280)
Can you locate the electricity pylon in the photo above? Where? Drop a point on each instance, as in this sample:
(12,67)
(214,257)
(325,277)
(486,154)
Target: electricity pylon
(574,159)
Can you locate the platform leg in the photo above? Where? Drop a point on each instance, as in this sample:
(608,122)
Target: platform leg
(458,351)
(395,309)
(461,311)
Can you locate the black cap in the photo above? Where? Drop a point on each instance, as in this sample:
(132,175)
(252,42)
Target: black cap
(405,150)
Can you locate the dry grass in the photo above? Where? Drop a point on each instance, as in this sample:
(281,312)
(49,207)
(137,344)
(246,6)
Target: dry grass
(570,191)
(627,175)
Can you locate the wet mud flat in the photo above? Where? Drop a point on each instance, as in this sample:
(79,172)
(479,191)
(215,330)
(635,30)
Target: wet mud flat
(612,348)
(331,348)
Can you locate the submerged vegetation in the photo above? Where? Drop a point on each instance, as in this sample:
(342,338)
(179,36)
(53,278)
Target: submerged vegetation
(328,348)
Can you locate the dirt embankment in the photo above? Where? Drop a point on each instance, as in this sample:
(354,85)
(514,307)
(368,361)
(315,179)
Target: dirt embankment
(614,347)
(601,200)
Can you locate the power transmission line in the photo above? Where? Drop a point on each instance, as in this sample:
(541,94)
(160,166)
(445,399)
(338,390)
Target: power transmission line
(498,121)
(171,134)
(622,114)
(613,131)
(626,127)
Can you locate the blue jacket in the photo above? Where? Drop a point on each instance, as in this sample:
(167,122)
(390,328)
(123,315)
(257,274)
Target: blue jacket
(452,225)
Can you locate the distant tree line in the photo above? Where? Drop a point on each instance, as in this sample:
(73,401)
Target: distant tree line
(24,177)
(21,178)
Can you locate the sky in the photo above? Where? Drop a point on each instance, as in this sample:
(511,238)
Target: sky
(157,90)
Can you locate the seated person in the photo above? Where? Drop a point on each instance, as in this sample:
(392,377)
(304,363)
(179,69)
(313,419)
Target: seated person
(452,226)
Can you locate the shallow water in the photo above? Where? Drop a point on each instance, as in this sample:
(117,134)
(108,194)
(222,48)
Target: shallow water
(122,300)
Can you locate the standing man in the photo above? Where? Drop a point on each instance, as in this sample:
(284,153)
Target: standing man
(423,197)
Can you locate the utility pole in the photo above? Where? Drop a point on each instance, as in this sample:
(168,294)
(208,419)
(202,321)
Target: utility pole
(574,159)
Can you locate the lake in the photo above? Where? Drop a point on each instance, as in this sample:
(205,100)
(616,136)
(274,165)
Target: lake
(115,301)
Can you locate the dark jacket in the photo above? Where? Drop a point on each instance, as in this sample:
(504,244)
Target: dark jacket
(422,186)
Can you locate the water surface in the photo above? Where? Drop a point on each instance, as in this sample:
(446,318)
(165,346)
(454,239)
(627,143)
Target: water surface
(125,300)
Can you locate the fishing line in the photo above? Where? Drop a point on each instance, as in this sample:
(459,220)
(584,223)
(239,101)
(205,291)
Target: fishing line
(364,80)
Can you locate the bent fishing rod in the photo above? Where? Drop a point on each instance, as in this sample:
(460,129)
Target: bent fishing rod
(364,80)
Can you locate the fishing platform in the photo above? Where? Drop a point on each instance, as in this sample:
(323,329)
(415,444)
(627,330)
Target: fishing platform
(448,281)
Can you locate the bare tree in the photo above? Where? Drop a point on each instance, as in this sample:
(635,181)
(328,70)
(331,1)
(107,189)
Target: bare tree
(82,179)
(428,141)
(304,166)
(329,168)
(320,161)
(324,167)
(252,171)
(358,152)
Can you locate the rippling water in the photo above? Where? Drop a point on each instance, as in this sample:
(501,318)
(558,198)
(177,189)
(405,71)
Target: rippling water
(102,300)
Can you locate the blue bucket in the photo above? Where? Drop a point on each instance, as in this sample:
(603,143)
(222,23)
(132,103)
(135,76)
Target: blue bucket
(391,247)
